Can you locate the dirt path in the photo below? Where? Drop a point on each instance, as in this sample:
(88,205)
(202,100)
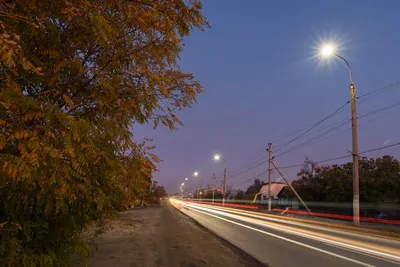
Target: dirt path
(162,236)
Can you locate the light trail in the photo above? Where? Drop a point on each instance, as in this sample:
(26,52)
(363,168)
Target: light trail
(272,222)
(290,240)
(305,213)
(304,223)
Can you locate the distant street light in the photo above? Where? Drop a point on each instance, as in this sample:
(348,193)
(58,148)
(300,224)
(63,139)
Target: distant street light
(217,157)
(183,184)
(186,179)
(195,174)
(328,51)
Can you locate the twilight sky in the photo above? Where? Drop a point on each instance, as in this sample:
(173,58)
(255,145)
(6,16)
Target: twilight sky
(263,80)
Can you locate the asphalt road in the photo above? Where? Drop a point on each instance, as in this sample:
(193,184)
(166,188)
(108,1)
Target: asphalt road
(161,236)
(284,242)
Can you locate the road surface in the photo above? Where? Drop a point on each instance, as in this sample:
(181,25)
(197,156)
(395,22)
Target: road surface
(287,242)
(161,236)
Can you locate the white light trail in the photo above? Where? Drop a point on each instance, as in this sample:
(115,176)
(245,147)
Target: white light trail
(219,211)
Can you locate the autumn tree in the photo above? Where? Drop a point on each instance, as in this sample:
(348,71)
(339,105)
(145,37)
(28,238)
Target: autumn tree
(75,77)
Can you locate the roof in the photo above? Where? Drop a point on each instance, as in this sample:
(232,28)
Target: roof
(275,189)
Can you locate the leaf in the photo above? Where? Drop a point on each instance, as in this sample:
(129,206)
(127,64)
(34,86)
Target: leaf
(7,57)
(68,100)
(154,157)
(3,141)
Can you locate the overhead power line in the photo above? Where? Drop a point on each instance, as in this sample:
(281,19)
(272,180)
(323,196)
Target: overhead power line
(314,125)
(379,148)
(377,91)
(339,125)
(252,178)
(369,95)
(250,163)
(342,157)
(248,169)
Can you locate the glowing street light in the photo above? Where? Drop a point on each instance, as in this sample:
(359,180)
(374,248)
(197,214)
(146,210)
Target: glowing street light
(186,179)
(195,174)
(217,157)
(328,51)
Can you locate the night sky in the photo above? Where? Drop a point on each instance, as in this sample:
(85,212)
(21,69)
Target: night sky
(263,80)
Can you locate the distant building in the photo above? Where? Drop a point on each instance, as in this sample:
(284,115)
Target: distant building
(280,199)
(209,190)
(287,201)
(276,188)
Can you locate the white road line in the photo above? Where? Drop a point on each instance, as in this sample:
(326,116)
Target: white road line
(308,236)
(289,240)
(354,251)
(267,218)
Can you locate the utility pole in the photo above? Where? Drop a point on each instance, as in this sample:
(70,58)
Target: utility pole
(201,187)
(269,174)
(223,195)
(356,192)
(297,195)
(198,192)
(213,189)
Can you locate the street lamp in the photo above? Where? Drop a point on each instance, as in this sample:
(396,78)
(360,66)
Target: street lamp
(218,157)
(328,51)
(186,179)
(199,185)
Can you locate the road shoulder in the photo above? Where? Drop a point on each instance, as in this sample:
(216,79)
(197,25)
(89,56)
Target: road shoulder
(163,236)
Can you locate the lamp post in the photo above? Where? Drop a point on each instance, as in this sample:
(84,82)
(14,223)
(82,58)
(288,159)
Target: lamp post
(217,158)
(195,174)
(328,51)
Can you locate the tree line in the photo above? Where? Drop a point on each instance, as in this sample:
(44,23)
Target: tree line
(379,182)
(75,79)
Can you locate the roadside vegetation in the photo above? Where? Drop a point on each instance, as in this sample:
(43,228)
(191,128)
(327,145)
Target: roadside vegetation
(75,79)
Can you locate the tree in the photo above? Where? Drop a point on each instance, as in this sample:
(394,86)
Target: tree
(228,192)
(255,187)
(379,181)
(209,195)
(158,191)
(239,195)
(75,77)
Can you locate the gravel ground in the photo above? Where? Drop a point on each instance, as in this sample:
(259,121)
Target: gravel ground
(162,236)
